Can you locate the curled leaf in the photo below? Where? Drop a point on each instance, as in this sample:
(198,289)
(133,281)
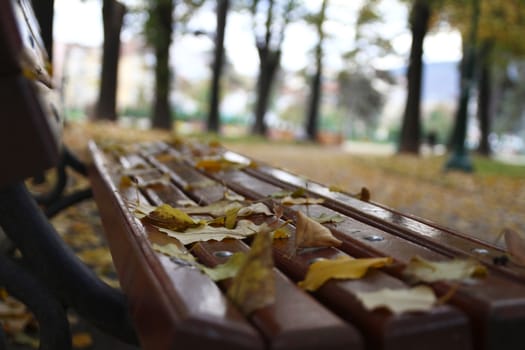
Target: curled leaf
(419,298)
(344,267)
(420,269)
(172,218)
(310,233)
(515,246)
(254,285)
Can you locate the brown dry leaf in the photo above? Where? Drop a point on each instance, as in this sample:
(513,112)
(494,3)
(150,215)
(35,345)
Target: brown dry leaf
(310,233)
(204,233)
(420,269)
(166,216)
(515,246)
(254,285)
(344,267)
(416,299)
(221,208)
(81,340)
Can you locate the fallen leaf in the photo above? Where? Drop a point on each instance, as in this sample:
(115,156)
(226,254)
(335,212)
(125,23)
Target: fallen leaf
(416,299)
(227,270)
(214,165)
(254,285)
(230,219)
(335,188)
(515,246)
(22,338)
(81,340)
(281,233)
(325,218)
(204,233)
(310,233)
(216,209)
(232,196)
(221,208)
(420,269)
(301,201)
(344,267)
(173,251)
(172,218)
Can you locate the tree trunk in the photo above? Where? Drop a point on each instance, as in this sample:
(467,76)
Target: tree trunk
(218,63)
(113,15)
(44,12)
(313,108)
(410,137)
(163,11)
(269,61)
(484,100)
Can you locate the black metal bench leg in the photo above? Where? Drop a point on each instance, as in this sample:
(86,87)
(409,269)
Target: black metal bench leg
(57,267)
(51,316)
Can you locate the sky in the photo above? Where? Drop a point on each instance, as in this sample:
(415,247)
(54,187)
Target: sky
(80,22)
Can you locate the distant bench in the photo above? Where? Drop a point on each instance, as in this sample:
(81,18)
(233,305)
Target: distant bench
(176,306)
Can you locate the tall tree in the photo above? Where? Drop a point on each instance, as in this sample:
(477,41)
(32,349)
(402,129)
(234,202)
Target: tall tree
(159,35)
(410,137)
(459,158)
(218,63)
(268,45)
(484,97)
(312,119)
(44,12)
(112,18)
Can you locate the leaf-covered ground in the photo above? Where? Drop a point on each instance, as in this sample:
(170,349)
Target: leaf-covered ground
(479,204)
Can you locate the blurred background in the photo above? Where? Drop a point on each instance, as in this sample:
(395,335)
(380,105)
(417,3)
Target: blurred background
(331,71)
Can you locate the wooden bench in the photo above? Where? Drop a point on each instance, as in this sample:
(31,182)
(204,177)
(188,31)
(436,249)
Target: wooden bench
(176,306)
(172,304)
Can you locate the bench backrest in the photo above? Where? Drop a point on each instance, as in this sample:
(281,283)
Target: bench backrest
(30,122)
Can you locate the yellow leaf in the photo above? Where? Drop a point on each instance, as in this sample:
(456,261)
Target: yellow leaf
(254,285)
(227,270)
(420,269)
(281,233)
(215,209)
(335,188)
(172,218)
(515,246)
(81,340)
(231,218)
(420,298)
(310,233)
(126,181)
(343,267)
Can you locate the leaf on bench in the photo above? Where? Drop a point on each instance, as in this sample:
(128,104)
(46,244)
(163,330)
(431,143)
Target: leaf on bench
(214,165)
(173,251)
(325,218)
(515,246)
(310,233)
(254,286)
(227,270)
(166,216)
(205,232)
(301,201)
(221,208)
(416,299)
(420,269)
(344,267)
